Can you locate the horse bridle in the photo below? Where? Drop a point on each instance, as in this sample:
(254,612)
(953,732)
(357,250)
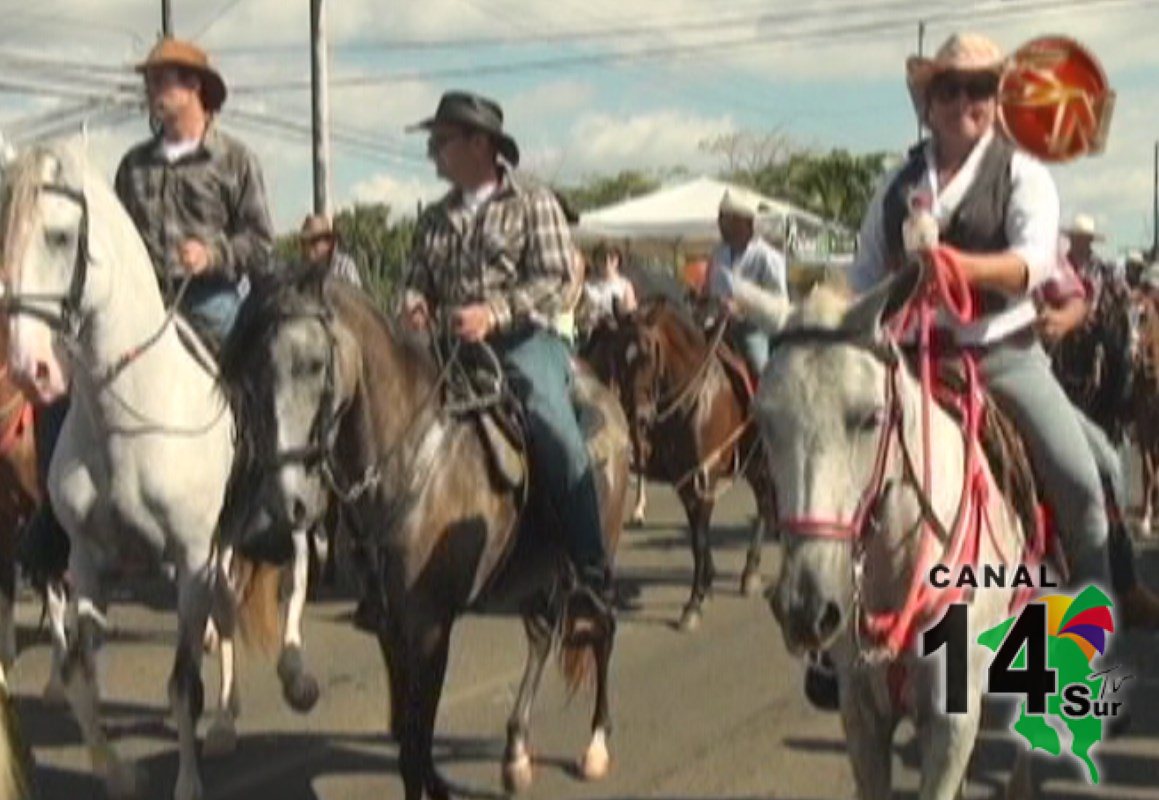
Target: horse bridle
(67,319)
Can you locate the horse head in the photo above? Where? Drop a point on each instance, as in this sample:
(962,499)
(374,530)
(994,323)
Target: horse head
(825,407)
(50,275)
(291,369)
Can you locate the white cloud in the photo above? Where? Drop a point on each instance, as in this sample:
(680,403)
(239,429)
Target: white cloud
(602,143)
(402,195)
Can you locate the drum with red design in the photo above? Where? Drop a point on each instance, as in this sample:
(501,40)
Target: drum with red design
(1055,101)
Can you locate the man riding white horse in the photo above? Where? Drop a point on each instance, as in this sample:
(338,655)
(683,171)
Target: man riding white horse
(997,210)
(197,197)
(492,260)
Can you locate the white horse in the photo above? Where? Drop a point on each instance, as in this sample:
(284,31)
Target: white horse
(826,411)
(146,448)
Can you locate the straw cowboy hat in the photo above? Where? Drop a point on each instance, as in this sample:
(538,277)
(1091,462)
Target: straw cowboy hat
(1083,225)
(169,52)
(741,204)
(962,52)
(314,227)
(476,112)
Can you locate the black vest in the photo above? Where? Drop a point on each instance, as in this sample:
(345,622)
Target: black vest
(978,225)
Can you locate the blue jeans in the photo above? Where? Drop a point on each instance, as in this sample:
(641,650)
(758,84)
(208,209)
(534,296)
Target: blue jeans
(211,306)
(752,343)
(538,369)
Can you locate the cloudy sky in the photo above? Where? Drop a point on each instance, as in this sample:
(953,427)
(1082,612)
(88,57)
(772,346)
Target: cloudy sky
(589,86)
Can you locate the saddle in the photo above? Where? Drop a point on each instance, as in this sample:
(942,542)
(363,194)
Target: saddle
(743,382)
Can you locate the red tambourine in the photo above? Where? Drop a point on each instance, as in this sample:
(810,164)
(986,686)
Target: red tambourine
(1054,100)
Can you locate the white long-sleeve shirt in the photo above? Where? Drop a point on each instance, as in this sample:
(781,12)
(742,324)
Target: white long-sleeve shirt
(1032,220)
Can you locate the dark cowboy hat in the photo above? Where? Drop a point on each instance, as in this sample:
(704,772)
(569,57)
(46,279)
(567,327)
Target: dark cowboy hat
(475,112)
(169,52)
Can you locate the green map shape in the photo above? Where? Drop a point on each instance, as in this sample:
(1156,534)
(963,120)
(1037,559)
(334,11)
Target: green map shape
(1067,658)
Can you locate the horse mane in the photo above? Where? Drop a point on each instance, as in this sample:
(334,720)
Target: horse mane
(21,188)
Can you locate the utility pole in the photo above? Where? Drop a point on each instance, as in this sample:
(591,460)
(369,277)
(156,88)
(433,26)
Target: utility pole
(166,18)
(1155,208)
(921,46)
(321,103)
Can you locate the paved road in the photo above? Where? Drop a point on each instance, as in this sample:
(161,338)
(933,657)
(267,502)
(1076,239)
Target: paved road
(716,714)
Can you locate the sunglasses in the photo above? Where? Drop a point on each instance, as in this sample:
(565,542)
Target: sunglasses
(974,86)
(437,141)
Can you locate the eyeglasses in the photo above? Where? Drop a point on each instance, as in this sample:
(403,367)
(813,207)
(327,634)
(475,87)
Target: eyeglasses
(975,86)
(436,141)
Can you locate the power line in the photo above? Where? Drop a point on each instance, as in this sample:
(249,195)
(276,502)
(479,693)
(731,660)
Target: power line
(843,32)
(229,6)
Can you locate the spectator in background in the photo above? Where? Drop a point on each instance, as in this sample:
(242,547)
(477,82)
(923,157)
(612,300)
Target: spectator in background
(319,246)
(607,293)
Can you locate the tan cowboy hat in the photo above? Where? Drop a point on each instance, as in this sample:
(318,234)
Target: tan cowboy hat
(476,112)
(1083,225)
(962,52)
(741,204)
(315,226)
(169,52)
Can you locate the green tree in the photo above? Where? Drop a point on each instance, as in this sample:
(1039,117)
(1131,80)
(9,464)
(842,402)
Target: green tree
(601,190)
(378,243)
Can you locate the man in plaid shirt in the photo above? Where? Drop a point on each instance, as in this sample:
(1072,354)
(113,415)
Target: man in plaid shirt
(195,193)
(491,263)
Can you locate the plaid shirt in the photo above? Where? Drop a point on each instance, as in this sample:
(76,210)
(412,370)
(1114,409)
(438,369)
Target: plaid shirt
(215,194)
(513,253)
(342,266)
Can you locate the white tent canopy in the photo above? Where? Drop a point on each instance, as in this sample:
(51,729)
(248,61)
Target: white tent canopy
(687,212)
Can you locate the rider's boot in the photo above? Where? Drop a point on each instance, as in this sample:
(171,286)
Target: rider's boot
(43,547)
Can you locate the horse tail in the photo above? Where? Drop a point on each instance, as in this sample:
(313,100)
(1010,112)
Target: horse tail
(582,641)
(258,586)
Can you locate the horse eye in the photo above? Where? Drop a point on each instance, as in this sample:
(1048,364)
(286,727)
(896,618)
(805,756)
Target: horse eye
(310,368)
(57,239)
(866,422)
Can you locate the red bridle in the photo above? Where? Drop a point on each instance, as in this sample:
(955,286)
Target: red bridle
(946,287)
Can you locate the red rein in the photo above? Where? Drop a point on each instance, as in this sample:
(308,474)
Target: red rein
(946,287)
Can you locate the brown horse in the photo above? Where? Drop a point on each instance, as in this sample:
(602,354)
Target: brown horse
(332,398)
(688,408)
(19,494)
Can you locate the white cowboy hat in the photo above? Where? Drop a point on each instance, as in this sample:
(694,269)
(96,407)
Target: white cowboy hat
(962,52)
(1083,225)
(741,204)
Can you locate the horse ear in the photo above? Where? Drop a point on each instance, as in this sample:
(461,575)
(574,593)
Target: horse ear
(867,317)
(768,310)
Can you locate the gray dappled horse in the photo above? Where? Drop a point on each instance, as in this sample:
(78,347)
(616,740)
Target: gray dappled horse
(335,400)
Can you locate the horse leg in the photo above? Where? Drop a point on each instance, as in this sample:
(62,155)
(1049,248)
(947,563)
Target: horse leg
(596,759)
(56,605)
(699,512)
(393,649)
(947,740)
(751,583)
(538,624)
(186,691)
(869,735)
(427,647)
(221,737)
(299,687)
(1148,458)
(637,518)
(79,673)
(8,591)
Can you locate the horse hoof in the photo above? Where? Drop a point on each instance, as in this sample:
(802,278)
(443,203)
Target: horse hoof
(188,788)
(210,641)
(752,584)
(302,693)
(636,521)
(517,774)
(220,739)
(121,781)
(596,761)
(690,620)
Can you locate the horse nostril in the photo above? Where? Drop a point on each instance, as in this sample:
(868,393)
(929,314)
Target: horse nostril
(829,620)
(41,372)
(297,511)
